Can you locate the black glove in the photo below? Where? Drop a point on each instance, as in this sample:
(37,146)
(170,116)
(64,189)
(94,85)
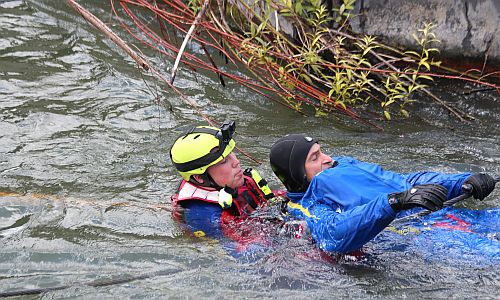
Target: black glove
(482,185)
(429,196)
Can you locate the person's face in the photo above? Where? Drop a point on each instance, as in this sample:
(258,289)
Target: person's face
(227,172)
(316,162)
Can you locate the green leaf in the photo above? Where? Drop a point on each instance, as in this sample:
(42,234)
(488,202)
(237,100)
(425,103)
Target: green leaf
(306,78)
(298,8)
(401,88)
(349,74)
(320,113)
(426,65)
(388,82)
(426,77)
(262,42)
(261,27)
(285,12)
(436,63)
(330,93)
(316,69)
(365,62)
(387,115)
(412,53)
(316,39)
(341,9)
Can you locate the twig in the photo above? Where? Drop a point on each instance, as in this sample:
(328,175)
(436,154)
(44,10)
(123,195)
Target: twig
(478,91)
(460,115)
(187,38)
(209,57)
(222,8)
(107,31)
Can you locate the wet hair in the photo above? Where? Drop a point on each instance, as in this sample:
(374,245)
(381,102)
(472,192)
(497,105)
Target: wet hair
(288,157)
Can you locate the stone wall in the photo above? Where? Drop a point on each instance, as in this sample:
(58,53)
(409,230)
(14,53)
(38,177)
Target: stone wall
(466,28)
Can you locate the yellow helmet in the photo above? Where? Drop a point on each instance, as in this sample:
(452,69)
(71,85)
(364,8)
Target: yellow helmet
(192,153)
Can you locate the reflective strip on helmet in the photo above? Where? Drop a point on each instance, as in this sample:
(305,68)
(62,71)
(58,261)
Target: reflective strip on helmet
(211,131)
(202,161)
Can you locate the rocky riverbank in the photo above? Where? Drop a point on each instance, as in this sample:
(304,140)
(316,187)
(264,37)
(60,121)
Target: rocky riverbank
(466,28)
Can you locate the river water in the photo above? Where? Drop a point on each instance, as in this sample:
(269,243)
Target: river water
(85,178)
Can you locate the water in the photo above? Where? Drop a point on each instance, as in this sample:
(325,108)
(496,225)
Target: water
(86,180)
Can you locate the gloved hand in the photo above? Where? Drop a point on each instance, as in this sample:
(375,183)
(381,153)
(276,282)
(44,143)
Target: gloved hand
(429,196)
(226,196)
(482,185)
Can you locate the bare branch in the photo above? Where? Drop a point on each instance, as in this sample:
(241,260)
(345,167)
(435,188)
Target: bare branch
(107,31)
(187,38)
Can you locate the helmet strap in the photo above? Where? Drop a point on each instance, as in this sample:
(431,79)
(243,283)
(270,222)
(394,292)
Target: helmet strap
(207,181)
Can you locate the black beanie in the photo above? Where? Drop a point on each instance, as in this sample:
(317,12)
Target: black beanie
(288,157)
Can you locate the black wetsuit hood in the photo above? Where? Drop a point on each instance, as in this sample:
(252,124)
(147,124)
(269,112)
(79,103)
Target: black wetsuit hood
(287,157)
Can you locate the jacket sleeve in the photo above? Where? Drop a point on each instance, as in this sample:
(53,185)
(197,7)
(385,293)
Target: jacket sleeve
(349,230)
(453,182)
(202,218)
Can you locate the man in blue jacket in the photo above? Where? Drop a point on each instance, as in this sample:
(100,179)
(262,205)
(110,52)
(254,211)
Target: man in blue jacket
(347,202)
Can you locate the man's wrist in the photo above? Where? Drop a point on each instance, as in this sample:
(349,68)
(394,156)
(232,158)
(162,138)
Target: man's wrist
(393,201)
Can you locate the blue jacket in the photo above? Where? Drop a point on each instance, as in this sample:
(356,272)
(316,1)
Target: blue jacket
(346,206)
(448,235)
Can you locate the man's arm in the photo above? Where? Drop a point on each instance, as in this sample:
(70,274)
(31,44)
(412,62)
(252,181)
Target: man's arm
(350,230)
(453,182)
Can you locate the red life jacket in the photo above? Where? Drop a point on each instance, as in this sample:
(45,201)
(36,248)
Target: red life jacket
(247,199)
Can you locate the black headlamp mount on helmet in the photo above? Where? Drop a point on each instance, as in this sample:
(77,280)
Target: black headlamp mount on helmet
(226,131)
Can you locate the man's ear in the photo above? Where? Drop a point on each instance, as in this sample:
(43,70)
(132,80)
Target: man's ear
(197,178)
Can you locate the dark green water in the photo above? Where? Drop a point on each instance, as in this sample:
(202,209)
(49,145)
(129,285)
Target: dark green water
(84,149)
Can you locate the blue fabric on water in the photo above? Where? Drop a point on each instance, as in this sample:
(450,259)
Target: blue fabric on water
(451,234)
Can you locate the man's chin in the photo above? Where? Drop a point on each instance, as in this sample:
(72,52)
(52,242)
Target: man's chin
(240,182)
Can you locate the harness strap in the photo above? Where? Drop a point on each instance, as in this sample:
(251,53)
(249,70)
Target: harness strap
(260,182)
